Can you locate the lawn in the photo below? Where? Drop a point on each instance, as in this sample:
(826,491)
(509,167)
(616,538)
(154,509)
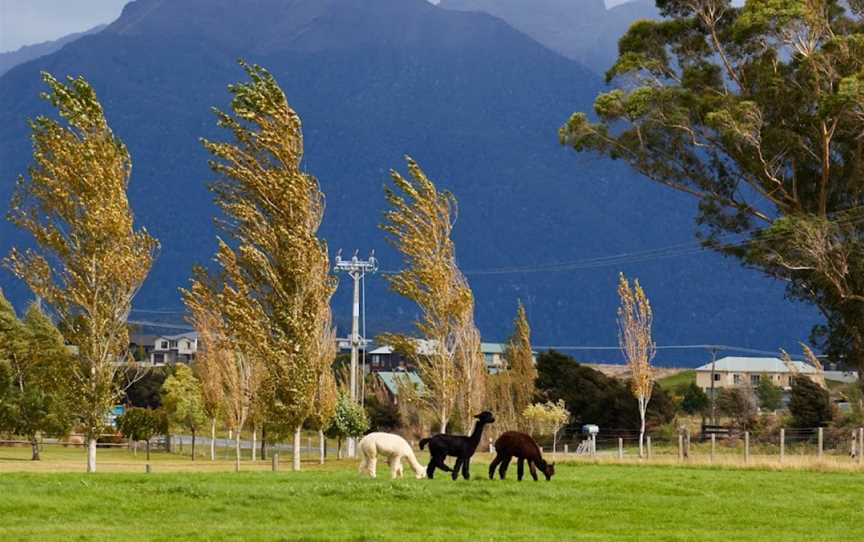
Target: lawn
(583,502)
(680,378)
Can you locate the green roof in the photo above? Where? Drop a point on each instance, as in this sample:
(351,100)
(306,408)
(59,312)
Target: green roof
(390,380)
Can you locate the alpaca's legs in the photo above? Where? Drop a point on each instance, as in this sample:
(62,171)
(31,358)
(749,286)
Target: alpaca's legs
(441,464)
(456,466)
(430,468)
(465,464)
(493,466)
(533,470)
(395,466)
(373,466)
(502,471)
(520,469)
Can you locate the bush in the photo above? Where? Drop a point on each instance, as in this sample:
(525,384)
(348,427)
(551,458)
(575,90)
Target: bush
(592,397)
(694,400)
(770,396)
(739,405)
(809,403)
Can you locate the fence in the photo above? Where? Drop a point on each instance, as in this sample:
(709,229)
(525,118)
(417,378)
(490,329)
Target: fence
(789,446)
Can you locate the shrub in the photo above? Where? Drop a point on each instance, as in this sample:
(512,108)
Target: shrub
(809,403)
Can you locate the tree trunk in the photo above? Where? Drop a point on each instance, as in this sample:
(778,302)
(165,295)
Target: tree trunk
(237,452)
(147,446)
(213,438)
(34,443)
(254,443)
(323,442)
(338,447)
(91,454)
(263,442)
(193,445)
(642,408)
(296,448)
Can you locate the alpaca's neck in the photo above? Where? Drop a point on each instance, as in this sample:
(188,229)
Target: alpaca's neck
(476,433)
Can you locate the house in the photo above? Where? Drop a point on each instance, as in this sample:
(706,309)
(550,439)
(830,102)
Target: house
(170,349)
(391,380)
(741,372)
(493,354)
(385,358)
(141,347)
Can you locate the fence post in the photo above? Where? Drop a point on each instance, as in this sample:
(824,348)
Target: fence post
(747,447)
(147,468)
(821,442)
(275,457)
(713,446)
(648,442)
(860,451)
(593,446)
(620,448)
(680,447)
(566,450)
(782,443)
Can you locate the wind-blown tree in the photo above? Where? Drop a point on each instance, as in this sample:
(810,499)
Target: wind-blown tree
(326,395)
(275,259)
(757,112)
(35,397)
(547,419)
(419,223)
(349,420)
(634,336)
(520,361)
(208,361)
(90,261)
(183,402)
(235,369)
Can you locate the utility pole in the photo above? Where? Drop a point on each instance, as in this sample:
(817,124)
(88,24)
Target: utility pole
(356,269)
(713,398)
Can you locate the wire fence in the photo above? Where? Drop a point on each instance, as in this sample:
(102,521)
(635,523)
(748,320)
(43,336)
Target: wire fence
(794,446)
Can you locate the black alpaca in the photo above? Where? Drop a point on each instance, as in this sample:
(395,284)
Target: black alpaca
(512,444)
(462,448)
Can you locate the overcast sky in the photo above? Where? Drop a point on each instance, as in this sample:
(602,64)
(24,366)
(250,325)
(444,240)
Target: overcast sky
(25,22)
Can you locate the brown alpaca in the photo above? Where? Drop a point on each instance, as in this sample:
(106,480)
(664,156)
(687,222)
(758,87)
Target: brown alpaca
(521,446)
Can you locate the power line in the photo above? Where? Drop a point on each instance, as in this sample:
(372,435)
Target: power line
(718,347)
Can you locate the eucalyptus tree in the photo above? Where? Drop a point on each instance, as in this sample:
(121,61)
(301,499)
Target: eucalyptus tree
(757,111)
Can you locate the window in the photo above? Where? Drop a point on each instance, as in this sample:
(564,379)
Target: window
(754,380)
(736,379)
(163,345)
(716,377)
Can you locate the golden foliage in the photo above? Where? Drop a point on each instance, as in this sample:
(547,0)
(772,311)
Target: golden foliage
(90,261)
(634,336)
(276,298)
(419,223)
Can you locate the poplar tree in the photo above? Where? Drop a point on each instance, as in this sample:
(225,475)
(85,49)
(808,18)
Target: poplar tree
(278,287)
(183,402)
(520,359)
(90,261)
(208,361)
(634,336)
(420,223)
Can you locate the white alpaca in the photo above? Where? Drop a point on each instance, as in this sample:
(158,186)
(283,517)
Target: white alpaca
(391,446)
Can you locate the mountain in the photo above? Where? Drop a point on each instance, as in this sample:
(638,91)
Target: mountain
(582,30)
(476,102)
(27,53)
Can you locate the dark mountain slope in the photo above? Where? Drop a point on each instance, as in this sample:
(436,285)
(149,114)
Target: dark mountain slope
(583,30)
(476,102)
(27,53)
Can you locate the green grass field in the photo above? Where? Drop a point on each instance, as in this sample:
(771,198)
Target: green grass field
(583,502)
(681,378)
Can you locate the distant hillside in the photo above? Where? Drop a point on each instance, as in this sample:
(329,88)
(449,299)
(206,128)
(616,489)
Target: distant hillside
(582,30)
(476,102)
(30,52)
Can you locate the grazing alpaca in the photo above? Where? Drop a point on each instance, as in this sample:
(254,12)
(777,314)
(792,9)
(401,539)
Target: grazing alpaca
(512,444)
(462,448)
(393,447)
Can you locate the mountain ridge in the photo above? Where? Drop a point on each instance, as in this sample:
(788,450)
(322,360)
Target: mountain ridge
(476,102)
